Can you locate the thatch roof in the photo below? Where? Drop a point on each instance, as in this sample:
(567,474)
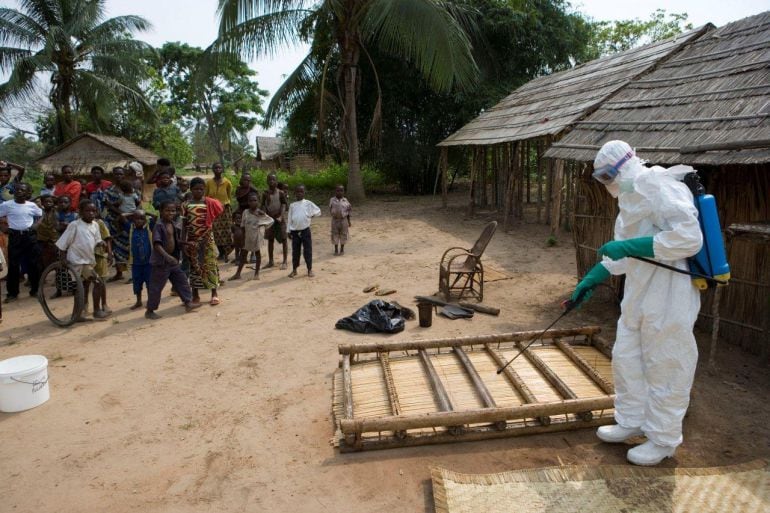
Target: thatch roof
(269,148)
(130,150)
(549,104)
(708,104)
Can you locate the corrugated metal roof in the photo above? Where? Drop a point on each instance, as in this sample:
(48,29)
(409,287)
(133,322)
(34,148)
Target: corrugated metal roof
(549,104)
(709,104)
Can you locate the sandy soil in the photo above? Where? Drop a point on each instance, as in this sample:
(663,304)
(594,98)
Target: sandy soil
(229,409)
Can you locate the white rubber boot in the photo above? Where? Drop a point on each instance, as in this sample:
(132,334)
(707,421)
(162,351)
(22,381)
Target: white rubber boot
(649,454)
(616,433)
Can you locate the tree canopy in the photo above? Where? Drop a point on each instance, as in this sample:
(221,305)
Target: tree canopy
(93,62)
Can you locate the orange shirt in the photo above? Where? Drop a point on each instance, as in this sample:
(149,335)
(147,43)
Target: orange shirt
(72,190)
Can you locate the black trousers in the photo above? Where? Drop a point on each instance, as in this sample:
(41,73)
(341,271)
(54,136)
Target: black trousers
(301,241)
(22,249)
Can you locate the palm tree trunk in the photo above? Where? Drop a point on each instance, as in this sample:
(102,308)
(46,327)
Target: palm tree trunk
(350,61)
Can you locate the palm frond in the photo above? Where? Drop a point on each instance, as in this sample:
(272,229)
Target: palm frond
(46,12)
(21,83)
(292,91)
(425,33)
(102,92)
(261,35)
(116,26)
(80,16)
(234,12)
(17,27)
(9,56)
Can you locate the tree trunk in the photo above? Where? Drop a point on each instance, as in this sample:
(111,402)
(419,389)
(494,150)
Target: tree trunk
(355,190)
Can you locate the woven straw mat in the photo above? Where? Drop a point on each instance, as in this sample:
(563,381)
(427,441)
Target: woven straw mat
(621,488)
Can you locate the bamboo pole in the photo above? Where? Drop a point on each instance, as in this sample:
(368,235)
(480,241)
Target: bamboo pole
(592,373)
(510,183)
(471,195)
(529,148)
(478,384)
(556,184)
(395,404)
(439,392)
(540,144)
(347,387)
(520,181)
(413,345)
(443,163)
(490,415)
(518,383)
(473,434)
(602,345)
(548,189)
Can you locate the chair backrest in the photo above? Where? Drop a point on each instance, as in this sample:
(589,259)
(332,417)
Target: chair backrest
(481,244)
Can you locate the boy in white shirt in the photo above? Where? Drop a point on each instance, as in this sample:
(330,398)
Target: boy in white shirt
(298,226)
(79,241)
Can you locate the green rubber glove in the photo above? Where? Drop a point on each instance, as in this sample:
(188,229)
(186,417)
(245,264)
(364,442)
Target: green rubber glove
(585,289)
(617,249)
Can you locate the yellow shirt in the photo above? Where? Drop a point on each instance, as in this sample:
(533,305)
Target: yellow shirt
(220,191)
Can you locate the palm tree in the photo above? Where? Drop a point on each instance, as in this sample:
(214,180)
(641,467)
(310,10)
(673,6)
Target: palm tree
(427,33)
(92,62)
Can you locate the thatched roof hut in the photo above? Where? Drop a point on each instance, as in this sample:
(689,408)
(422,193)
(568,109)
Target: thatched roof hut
(274,153)
(88,150)
(508,140)
(707,106)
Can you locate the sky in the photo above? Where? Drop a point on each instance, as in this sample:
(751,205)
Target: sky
(194,22)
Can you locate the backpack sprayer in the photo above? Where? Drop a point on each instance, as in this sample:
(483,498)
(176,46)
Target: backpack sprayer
(709,267)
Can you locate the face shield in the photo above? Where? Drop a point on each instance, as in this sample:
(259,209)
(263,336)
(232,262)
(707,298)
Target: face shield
(606,174)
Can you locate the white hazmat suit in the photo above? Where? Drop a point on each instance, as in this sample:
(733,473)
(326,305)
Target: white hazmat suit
(654,357)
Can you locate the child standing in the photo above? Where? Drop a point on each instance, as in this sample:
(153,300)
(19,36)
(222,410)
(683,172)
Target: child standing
(103,257)
(129,199)
(140,249)
(164,190)
(340,209)
(78,243)
(220,189)
(253,223)
(300,214)
(274,202)
(164,261)
(47,233)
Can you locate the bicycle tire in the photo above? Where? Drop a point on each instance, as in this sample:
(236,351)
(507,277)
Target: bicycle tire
(78,294)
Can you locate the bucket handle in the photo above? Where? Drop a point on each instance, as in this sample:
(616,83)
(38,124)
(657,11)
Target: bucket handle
(36,385)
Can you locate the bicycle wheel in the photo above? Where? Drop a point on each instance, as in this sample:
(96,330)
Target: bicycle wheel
(61,294)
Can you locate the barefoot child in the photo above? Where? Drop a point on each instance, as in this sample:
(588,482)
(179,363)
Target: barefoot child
(200,250)
(274,204)
(103,256)
(166,242)
(340,209)
(300,214)
(140,249)
(77,244)
(253,222)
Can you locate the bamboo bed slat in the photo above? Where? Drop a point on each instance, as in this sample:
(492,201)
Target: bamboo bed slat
(434,394)
(573,355)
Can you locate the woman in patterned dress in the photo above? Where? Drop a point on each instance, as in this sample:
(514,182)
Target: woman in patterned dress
(200,251)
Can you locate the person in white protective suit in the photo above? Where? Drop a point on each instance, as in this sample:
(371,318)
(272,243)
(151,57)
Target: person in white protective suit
(654,357)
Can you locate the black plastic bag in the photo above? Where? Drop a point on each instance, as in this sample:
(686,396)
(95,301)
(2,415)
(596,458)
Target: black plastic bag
(377,316)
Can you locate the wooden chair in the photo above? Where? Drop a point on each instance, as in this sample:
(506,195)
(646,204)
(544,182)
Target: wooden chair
(461,274)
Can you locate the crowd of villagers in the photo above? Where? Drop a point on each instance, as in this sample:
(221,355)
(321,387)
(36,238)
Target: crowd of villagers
(97,225)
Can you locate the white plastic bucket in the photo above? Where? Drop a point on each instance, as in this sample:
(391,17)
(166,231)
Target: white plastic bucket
(23,383)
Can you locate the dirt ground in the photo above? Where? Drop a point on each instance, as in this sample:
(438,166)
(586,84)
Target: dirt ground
(229,408)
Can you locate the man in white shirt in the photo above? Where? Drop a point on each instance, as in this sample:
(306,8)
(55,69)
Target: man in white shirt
(22,242)
(300,214)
